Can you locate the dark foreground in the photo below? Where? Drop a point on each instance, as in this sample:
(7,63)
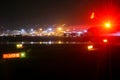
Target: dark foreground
(61,62)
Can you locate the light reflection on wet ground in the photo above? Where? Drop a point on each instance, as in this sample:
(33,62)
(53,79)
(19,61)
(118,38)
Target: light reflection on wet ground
(45,42)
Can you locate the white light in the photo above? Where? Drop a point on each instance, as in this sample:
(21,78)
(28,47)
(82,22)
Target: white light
(22,30)
(31,30)
(50,29)
(49,42)
(31,42)
(85,30)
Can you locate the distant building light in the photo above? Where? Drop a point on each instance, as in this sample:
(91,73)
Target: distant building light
(85,31)
(50,29)
(59,28)
(31,30)
(22,30)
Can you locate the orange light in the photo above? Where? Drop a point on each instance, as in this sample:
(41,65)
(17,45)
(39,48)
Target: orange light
(92,15)
(105,40)
(90,47)
(11,55)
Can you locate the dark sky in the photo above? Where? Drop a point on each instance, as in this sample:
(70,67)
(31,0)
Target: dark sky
(24,12)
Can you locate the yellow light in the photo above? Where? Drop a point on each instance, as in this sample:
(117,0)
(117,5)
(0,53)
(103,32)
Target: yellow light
(90,47)
(105,40)
(107,25)
(19,46)
(59,28)
(60,42)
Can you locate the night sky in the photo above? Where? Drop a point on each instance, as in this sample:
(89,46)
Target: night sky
(73,12)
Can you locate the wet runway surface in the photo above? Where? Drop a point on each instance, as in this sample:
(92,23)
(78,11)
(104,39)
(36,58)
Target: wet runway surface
(60,60)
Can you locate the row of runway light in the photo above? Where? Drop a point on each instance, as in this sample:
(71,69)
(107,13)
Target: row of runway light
(90,47)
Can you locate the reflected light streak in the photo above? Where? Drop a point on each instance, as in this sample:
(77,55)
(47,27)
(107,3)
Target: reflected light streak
(20,45)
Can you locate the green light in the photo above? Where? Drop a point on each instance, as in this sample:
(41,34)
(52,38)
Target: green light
(23,54)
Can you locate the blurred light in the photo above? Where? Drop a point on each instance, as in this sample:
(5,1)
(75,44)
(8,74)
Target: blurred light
(60,42)
(63,24)
(67,42)
(19,46)
(22,42)
(31,30)
(22,30)
(49,42)
(50,29)
(40,42)
(40,29)
(90,47)
(59,28)
(67,30)
(22,54)
(105,40)
(44,42)
(11,55)
(92,15)
(107,24)
(85,31)
(31,42)
(79,32)
(14,55)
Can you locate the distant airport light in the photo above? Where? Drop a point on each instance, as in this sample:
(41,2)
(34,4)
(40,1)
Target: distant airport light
(50,29)
(31,42)
(40,29)
(59,28)
(19,46)
(60,42)
(23,54)
(32,30)
(50,42)
(105,40)
(90,47)
(22,30)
